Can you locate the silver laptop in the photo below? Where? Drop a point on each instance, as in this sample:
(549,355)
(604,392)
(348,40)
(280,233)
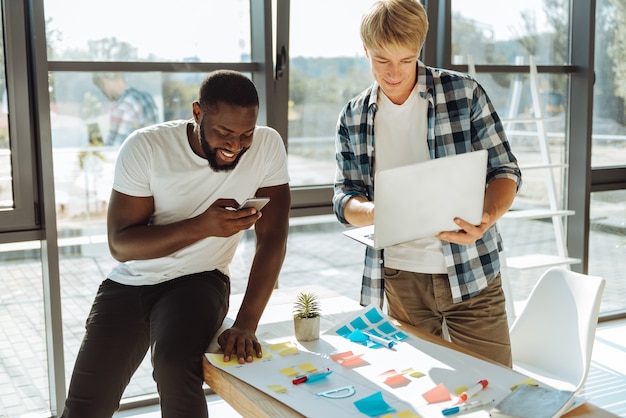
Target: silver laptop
(421,200)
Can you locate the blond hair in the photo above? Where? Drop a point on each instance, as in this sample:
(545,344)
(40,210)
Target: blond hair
(400,23)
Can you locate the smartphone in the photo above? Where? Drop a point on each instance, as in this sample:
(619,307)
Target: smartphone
(254,202)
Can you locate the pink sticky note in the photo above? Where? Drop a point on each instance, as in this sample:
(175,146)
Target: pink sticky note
(437,394)
(349,360)
(340,356)
(396,381)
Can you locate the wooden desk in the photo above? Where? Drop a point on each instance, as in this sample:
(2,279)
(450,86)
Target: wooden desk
(251,402)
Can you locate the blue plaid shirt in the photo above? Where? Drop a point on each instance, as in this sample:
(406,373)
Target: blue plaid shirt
(461,119)
(134,109)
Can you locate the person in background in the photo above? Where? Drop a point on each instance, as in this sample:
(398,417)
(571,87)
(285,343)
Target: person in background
(132,108)
(414,113)
(174,228)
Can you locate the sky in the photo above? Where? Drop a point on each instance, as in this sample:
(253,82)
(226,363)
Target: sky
(318,27)
(188,29)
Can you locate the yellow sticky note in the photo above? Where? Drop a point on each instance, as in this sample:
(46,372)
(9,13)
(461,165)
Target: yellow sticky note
(277,388)
(288,351)
(413,373)
(218,359)
(460,390)
(281,346)
(286,348)
(289,371)
(407,414)
(307,367)
(528,381)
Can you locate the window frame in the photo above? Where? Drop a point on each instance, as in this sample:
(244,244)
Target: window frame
(23,221)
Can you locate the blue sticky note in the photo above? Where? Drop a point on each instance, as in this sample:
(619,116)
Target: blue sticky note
(373,316)
(386,328)
(358,323)
(374,332)
(357,336)
(400,336)
(373,405)
(344,331)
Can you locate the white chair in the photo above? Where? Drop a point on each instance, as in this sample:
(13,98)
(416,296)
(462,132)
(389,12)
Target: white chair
(552,338)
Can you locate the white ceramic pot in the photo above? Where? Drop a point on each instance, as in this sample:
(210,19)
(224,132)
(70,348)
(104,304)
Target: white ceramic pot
(307,329)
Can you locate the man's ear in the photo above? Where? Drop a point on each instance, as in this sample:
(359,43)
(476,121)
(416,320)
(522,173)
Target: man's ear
(196,111)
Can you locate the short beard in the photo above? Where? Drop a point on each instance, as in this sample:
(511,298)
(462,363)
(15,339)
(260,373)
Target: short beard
(211,155)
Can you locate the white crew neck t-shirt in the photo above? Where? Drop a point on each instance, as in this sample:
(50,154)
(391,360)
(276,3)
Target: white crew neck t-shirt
(400,135)
(158,161)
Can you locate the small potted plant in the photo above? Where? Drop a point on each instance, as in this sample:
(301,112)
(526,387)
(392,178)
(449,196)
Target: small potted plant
(306,317)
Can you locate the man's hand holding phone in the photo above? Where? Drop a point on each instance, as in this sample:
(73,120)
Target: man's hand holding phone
(226,217)
(254,202)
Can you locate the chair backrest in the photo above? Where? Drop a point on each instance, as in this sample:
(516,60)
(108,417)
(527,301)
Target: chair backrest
(553,336)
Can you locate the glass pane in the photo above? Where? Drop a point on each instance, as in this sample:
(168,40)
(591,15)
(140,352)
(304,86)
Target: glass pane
(23,371)
(148,30)
(512,98)
(88,125)
(6,170)
(496,32)
(85,140)
(543,163)
(607,245)
(326,70)
(609,121)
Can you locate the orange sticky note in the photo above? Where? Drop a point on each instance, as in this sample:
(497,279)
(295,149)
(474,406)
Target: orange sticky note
(396,381)
(437,394)
(348,359)
(340,356)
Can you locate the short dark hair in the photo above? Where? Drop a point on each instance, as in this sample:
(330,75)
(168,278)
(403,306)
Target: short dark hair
(227,86)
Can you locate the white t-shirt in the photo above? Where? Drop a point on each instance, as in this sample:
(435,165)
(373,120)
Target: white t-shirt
(158,161)
(400,133)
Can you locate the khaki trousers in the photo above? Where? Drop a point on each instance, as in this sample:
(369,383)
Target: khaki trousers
(478,324)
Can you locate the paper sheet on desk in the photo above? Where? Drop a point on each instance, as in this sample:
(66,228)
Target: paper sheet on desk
(401,375)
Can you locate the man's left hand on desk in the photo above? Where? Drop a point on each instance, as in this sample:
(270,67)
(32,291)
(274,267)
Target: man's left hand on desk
(241,343)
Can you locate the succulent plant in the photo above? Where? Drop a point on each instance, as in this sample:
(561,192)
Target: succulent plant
(306,306)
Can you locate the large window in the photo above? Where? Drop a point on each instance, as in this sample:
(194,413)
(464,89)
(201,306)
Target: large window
(326,70)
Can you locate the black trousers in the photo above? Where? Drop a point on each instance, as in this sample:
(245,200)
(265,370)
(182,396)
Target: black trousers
(176,319)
